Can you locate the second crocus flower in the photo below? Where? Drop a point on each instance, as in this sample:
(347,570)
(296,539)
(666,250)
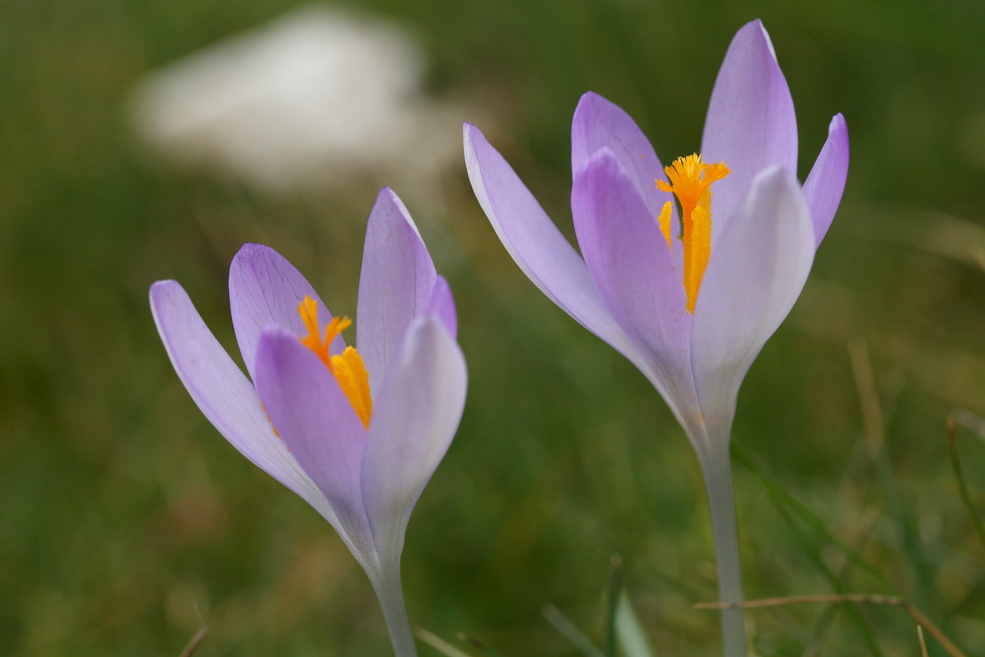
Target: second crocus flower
(686,270)
(358,431)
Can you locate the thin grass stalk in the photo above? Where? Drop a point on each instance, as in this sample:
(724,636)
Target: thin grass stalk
(952,448)
(852,598)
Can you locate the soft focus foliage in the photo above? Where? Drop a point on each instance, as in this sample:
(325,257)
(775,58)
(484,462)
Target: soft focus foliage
(120,505)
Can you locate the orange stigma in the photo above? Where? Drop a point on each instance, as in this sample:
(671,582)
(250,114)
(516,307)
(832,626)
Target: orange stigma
(690,181)
(347,367)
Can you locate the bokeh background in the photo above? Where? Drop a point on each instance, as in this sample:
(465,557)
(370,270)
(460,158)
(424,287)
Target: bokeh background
(120,506)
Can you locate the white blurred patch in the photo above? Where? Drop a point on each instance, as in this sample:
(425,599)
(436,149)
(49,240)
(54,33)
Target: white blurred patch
(313,98)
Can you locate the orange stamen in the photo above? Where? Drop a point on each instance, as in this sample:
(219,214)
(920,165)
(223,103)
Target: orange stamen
(347,367)
(690,181)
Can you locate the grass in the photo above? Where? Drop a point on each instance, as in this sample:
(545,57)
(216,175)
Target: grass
(120,507)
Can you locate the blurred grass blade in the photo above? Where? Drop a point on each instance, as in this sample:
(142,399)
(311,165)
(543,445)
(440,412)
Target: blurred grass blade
(197,639)
(439,644)
(479,644)
(632,636)
(922,620)
(833,581)
(570,631)
(952,448)
(971,422)
(612,605)
(782,498)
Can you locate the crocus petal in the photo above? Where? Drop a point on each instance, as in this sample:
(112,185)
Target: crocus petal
(443,305)
(826,182)
(264,289)
(224,394)
(316,421)
(634,270)
(751,122)
(599,124)
(536,244)
(754,276)
(395,284)
(414,422)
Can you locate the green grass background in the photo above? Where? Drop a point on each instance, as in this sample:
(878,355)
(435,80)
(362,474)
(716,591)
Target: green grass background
(120,505)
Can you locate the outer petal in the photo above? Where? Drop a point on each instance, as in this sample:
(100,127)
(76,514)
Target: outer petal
(264,288)
(536,244)
(754,276)
(395,284)
(225,395)
(826,182)
(316,421)
(443,305)
(751,122)
(413,425)
(634,270)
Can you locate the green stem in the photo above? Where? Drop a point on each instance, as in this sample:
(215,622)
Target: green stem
(952,448)
(390,593)
(725,533)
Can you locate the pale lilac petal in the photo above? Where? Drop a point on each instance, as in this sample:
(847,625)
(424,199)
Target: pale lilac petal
(755,274)
(264,289)
(317,422)
(443,305)
(634,270)
(224,394)
(415,420)
(826,182)
(751,122)
(536,244)
(599,124)
(395,284)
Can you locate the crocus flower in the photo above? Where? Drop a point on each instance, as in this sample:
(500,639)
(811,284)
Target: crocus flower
(688,295)
(355,431)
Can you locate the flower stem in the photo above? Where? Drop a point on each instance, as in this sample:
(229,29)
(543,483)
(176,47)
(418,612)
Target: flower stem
(390,593)
(725,534)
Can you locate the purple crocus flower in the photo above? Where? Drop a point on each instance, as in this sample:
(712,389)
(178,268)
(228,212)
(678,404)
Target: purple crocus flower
(690,303)
(355,431)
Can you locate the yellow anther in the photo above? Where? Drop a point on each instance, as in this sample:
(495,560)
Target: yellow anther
(350,371)
(690,181)
(348,367)
(665,223)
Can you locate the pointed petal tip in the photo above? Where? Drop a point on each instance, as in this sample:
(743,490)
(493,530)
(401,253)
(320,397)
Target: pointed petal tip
(591,98)
(159,295)
(271,341)
(755,29)
(777,176)
(604,157)
(159,287)
(839,128)
(250,249)
(469,132)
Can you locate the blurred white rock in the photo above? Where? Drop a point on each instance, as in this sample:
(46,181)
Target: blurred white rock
(312,99)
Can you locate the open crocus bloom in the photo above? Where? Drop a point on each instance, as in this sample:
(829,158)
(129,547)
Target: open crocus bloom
(355,431)
(689,296)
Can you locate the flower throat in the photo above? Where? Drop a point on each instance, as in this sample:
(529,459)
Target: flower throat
(690,181)
(347,367)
